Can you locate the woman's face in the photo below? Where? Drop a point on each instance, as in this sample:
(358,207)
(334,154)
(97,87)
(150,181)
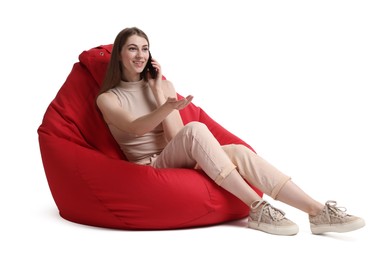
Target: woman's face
(134,56)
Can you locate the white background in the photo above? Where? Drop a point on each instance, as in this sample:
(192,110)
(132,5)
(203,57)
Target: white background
(303,82)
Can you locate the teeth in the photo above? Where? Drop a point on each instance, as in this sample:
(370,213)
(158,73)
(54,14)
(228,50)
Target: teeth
(138,63)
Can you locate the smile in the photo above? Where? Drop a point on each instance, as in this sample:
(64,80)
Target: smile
(138,63)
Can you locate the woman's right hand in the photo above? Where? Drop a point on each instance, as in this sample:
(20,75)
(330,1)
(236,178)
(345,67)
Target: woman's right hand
(179,104)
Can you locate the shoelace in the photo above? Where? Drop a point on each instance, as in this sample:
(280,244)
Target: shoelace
(332,209)
(275,214)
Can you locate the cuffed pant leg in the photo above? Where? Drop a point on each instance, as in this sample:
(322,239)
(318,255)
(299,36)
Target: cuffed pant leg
(195,145)
(256,170)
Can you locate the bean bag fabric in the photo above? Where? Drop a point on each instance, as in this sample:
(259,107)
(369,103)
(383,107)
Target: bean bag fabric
(92,183)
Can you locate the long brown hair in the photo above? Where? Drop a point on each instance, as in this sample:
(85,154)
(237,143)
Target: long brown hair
(114,71)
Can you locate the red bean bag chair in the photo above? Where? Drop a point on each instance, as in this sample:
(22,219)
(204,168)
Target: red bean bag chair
(93,184)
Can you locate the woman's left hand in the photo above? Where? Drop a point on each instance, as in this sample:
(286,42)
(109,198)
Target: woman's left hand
(155,83)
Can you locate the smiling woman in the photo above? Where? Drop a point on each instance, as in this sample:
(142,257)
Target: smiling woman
(150,123)
(91,181)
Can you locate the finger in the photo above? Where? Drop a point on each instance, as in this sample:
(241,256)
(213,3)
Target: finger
(155,64)
(171,99)
(182,104)
(189,98)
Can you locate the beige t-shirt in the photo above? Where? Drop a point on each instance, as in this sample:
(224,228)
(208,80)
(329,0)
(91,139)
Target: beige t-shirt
(138,98)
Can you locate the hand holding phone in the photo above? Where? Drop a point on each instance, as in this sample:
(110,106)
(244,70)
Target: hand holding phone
(149,68)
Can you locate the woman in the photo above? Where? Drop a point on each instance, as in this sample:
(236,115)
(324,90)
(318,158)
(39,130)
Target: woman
(142,113)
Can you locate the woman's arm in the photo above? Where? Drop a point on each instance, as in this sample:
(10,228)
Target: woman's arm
(114,114)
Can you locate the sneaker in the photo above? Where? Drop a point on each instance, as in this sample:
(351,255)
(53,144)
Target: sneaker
(268,219)
(334,219)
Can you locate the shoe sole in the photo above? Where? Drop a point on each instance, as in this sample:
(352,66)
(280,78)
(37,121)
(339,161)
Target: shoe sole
(274,230)
(340,228)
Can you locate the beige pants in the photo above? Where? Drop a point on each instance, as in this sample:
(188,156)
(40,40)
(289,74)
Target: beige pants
(195,146)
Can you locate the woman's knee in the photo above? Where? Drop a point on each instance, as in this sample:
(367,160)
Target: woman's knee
(195,128)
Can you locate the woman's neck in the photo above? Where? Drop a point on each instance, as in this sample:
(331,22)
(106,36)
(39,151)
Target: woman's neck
(131,78)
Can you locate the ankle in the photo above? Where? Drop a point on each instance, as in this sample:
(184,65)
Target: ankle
(315,209)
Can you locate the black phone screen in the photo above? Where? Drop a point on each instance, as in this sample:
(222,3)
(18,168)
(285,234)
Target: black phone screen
(150,68)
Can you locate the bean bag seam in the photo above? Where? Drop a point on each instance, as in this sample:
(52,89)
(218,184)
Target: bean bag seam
(81,176)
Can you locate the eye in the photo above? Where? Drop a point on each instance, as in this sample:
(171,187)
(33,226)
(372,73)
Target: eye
(132,49)
(145,49)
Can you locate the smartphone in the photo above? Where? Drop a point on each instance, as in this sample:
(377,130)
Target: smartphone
(150,68)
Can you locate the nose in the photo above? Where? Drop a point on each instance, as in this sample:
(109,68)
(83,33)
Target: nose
(139,54)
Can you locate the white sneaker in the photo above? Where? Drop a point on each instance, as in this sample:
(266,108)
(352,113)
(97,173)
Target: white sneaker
(334,219)
(268,219)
